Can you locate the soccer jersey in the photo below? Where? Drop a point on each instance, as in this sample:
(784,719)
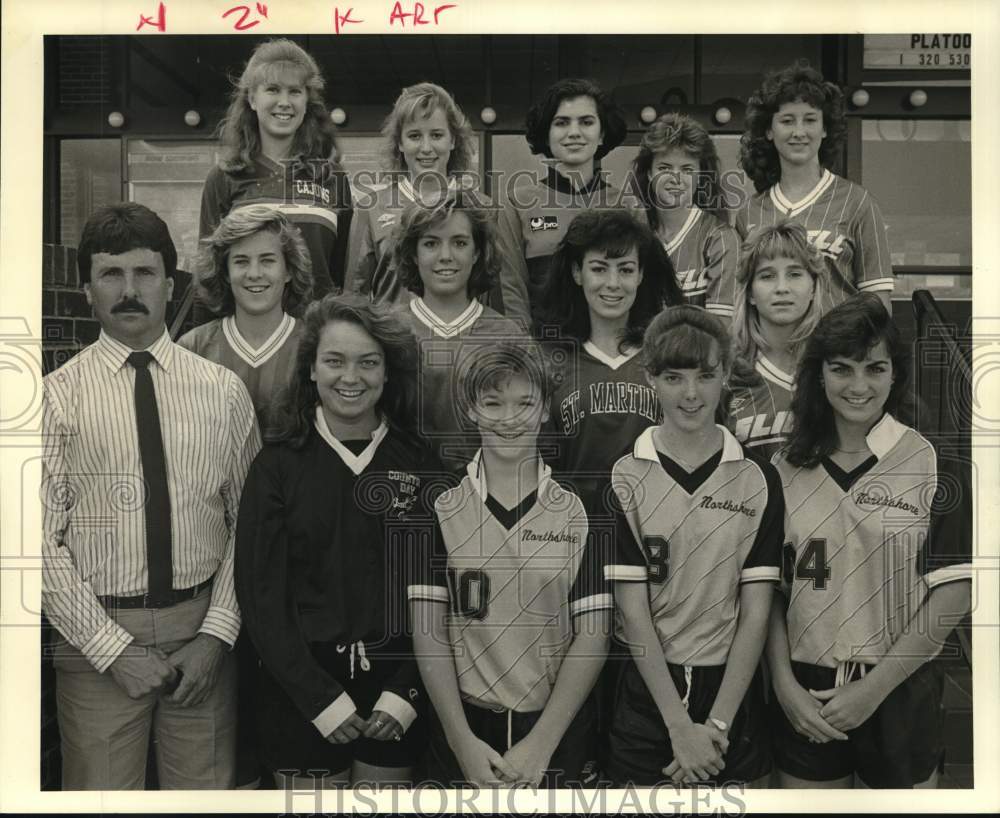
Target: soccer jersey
(706,257)
(446,350)
(843,222)
(599,407)
(313,194)
(323,544)
(863,548)
(514,580)
(759,412)
(265,371)
(370,271)
(538,216)
(695,537)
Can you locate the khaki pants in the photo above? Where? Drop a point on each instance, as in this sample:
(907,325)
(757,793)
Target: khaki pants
(105,734)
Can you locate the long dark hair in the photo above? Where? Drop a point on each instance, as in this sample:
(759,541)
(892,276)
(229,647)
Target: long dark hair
(613,232)
(297,412)
(849,330)
(799,81)
(679,132)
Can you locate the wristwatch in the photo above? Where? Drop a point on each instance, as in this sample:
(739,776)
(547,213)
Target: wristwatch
(720,724)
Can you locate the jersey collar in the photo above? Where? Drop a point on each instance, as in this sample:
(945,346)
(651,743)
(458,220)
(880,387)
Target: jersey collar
(115,353)
(555,180)
(446,329)
(356,463)
(477,475)
(790,208)
(689,223)
(884,435)
(257,357)
(612,363)
(770,371)
(407,189)
(645,449)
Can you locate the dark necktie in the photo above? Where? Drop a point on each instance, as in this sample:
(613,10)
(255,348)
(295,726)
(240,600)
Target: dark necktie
(154,469)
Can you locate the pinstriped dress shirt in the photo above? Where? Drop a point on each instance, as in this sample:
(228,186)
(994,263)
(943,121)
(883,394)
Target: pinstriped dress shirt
(92,487)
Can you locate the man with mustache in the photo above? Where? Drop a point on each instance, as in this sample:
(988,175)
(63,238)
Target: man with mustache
(146,449)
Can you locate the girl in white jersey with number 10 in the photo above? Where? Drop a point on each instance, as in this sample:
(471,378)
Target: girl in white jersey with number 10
(795,128)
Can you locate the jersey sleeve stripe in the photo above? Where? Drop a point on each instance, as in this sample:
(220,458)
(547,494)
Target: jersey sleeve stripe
(722,310)
(427,593)
(952,573)
(876,284)
(761,573)
(625,573)
(595,602)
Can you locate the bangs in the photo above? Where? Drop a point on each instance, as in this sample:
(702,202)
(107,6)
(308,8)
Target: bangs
(281,71)
(613,246)
(683,347)
(802,91)
(857,348)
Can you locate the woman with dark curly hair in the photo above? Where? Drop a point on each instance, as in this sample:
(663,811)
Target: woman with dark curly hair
(795,128)
(277,147)
(428,151)
(447,257)
(677,178)
(574,125)
(876,567)
(610,277)
(321,555)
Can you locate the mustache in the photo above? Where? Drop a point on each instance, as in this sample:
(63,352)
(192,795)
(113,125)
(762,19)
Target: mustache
(129,305)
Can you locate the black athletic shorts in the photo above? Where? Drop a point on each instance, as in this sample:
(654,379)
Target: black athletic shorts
(639,744)
(289,741)
(901,743)
(572,763)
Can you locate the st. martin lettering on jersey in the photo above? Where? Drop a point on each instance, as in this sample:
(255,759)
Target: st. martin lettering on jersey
(599,407)
(864,548)
(514,579)
(706,257)
(695,537)
(843,222)
(759,408)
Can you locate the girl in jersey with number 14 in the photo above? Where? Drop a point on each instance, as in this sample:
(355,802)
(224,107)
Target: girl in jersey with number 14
(698,543)
(795,128)
(677,177)
(780,287)
(876,567)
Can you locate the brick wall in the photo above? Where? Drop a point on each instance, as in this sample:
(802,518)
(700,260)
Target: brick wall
(68,323)
(84,71)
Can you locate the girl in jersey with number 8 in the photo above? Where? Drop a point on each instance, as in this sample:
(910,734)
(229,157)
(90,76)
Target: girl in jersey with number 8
(876,558)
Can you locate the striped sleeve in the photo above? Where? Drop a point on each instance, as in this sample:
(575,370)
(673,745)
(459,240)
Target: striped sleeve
(68,598)
(872,260)
(222,619)
(946,554)
(722,261)
(628,564)
(763,563)
(591,590)
(428,574)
